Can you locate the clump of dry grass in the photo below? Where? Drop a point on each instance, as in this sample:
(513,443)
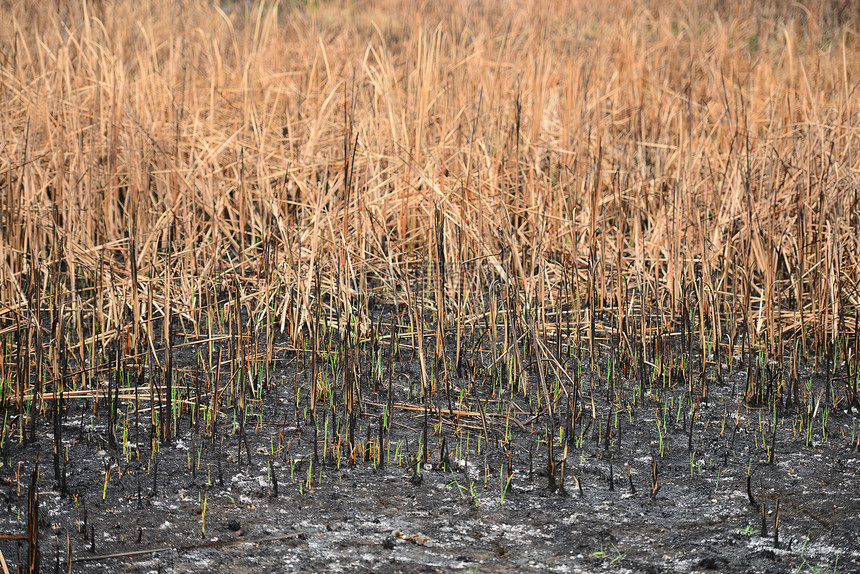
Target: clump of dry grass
(612,172)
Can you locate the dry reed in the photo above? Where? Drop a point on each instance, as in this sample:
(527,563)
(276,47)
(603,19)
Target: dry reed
(609,172)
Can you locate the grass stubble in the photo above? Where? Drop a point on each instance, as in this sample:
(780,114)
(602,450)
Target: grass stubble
(471,223)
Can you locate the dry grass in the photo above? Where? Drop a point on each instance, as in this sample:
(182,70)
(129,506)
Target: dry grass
(618,170)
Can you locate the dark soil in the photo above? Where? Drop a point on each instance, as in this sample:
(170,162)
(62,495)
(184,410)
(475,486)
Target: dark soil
(362,512)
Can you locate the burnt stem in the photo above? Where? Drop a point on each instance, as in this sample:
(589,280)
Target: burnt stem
(33,556)
(749,491)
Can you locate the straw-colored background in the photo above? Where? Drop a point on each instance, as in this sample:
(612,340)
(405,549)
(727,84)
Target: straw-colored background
(606,153)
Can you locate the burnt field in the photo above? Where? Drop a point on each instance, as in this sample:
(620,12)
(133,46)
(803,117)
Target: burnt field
(631,467)
(387,287)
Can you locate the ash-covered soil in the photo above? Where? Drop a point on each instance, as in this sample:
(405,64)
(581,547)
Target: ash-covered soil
(196,504)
